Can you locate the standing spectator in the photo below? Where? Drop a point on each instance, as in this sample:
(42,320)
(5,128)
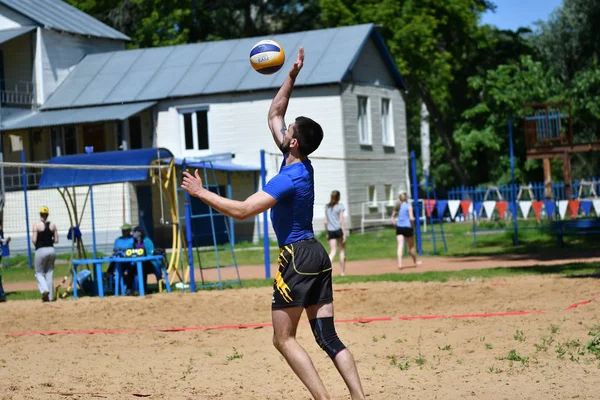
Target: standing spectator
(404,227)
(3,242)
(334,225)
(45,236)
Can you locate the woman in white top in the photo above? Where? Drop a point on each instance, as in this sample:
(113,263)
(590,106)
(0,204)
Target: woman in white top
(334,225)
(404,224)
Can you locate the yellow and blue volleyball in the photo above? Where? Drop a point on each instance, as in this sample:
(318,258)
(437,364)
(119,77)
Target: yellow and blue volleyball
(267,57)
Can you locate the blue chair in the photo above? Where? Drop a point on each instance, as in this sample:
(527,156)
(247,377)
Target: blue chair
(5,256)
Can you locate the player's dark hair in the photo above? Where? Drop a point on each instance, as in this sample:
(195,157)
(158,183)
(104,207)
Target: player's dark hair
(335,198)
(309,135)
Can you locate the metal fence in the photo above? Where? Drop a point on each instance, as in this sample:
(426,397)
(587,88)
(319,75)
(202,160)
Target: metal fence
(481,193)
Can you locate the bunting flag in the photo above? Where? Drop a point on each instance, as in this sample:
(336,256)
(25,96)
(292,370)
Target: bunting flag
(465,205)
(586,207)
(550,208)
(477,206)
(537,208)
(441,207)
(489,208)
(562,208)
(429,205)
(501,208)
(574,207)
(596,204)
(453,207)
(525,206)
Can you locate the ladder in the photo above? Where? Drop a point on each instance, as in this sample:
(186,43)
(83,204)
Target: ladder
(210,182)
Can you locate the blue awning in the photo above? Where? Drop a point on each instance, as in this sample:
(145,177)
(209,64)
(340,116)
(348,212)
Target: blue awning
(67,177)
(218,165)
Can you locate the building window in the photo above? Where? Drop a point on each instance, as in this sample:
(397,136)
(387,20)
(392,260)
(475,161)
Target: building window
(63,141)
(195,129)
(389,194)
(364,125)
(387,127)
(372,195)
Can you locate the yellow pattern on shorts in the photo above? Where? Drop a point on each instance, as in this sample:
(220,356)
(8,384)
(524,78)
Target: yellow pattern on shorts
(280,284)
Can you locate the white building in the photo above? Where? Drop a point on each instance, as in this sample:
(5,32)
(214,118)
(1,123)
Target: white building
(69,84)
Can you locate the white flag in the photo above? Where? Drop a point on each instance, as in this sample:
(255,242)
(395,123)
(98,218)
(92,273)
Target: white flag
(489,208)
(562,208)
(596,204)
(16,143)
(525,206)
(453,207)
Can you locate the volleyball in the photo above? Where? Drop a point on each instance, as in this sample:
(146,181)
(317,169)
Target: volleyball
(267,57)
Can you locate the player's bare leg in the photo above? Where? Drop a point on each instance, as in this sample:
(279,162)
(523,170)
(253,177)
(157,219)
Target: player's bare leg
(343,361)
(285,323)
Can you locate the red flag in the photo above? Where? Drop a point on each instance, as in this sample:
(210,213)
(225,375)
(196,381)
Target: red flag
(501,205)
(464,206)
(537,208)
(574,207)
(429,205)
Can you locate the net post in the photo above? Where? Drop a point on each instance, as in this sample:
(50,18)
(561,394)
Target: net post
(188,234)
(93,223)
(513,187)
(415,185)
(24,178)
(263,174)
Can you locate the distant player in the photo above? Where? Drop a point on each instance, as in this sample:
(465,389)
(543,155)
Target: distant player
(304,277)
(45,236)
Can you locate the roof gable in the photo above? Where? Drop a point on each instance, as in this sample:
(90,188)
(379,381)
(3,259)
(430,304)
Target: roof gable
(211,68)
(58,15)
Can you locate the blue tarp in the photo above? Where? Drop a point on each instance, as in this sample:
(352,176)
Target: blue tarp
(67,177)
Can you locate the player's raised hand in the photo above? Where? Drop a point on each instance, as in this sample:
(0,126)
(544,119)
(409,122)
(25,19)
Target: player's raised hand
(298,64)
(192,183)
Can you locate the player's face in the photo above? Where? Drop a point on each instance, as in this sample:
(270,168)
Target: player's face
(288,139)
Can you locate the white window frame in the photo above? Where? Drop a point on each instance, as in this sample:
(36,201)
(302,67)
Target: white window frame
(387,124)
(364,138)
(372,195)
(390,196)
(193,111)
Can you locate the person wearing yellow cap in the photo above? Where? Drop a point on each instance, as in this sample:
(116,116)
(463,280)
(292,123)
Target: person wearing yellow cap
(45,236)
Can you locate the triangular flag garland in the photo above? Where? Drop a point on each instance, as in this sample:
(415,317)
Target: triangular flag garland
(501,208)
(477,206)
(537,208)
(596,204)
(429,205)
(464,206)
(441,207)
(453,207)
(586,207)
(489,208)
(574,207)
(525,206)
(562,208)
(550,208)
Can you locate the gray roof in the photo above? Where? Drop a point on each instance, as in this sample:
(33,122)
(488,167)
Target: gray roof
(29,119)
(212,67)
(8,34)
(58,15)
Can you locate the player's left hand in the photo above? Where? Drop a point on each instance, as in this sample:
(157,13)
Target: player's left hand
(298,64)
(192,183)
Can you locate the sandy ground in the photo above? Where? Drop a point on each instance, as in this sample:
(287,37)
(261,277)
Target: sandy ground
(443,358)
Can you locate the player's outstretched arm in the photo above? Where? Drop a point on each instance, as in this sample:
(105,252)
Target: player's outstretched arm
(253,205)
(280,102)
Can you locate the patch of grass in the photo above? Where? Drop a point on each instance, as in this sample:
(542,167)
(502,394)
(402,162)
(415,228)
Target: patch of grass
(514,356)
(554,329)
(489,346)
(594,330)
(420,361)
(445,348)
(546,343)
(593,347)
(235,355)
(519,335)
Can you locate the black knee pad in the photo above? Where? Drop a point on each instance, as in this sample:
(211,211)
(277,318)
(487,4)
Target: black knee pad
(326,336)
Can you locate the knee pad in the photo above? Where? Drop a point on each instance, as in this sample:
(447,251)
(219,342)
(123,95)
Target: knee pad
(326,337)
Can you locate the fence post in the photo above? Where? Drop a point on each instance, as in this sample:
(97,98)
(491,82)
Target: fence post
(415,185)
(24,178)
(512,174)
(263,173)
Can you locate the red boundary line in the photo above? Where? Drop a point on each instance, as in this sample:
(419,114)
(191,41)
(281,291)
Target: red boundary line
(264,325)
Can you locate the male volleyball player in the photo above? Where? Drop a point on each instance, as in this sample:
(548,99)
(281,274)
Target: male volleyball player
(303,281)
